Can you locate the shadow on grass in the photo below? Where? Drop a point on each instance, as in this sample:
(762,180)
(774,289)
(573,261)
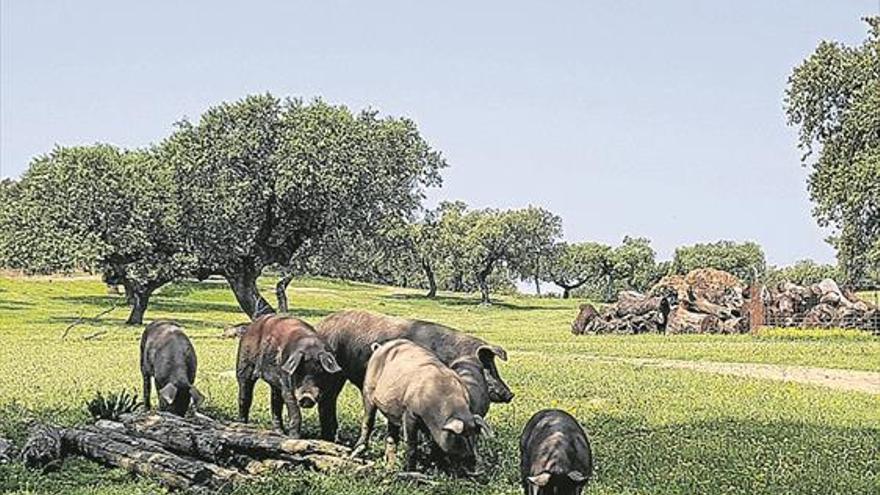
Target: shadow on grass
(714,457)
(733,456)
(467,301)
(15,305)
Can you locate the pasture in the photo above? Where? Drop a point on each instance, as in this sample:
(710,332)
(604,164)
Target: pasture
(654,429)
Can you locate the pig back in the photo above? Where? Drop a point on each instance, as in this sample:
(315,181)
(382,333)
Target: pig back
(167,353)
(553,441)
(402,375)
(269,334)
(350,335)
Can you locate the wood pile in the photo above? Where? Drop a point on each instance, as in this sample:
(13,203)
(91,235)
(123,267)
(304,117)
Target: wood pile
(821,305)
(703,301)
(192,453)
(714,301)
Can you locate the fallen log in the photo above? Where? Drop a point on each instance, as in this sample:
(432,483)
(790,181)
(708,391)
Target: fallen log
(684,321)
(185,453)
(146,458)
(634,303)
(699,305)
(585,317)
(43,447)
(6,451)
(206,438)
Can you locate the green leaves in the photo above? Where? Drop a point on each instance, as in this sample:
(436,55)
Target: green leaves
(834,97)
(260,177)
(745,260)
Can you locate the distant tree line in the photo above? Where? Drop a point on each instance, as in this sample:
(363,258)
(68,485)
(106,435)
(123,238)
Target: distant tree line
(313,188)
(247,186)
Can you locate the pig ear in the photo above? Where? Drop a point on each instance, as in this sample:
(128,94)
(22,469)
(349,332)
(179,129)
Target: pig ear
(328,362)
(454,425)
(540,480)
(485,429)
(197,397)
(577,477)
(168,393)
(487,351)
(292,362)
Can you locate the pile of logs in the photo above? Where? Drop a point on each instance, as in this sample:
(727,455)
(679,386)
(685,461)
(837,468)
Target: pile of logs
(821,305)
(703,301)
(194,453)
(714,301)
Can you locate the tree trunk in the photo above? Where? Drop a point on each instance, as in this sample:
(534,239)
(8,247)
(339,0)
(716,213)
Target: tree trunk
(458,282)
(432,281)
(566,292)
(609,288)
(537,285)
(138,297)
(281,292)
(483,282)
(243,282)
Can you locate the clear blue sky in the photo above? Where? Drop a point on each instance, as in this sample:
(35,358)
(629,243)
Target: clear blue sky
(660,119)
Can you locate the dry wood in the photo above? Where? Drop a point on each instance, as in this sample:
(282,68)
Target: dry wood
(195,452)
(43,447)
(684,321)
(146,458)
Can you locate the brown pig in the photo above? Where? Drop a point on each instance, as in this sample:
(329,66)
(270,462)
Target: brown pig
(168,357)
(555,455)
(295,362)
(417,392)
(351,333)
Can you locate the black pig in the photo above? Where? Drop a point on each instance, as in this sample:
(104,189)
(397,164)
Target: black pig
(555,455)
(168,357)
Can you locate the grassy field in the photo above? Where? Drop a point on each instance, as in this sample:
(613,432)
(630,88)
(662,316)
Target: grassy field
(654,430)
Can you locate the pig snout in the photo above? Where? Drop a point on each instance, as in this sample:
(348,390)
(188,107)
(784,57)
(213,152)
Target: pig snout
(306,402)
(499,392)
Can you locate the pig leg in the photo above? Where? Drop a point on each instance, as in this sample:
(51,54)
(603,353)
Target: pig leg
(367,424)
(295,419)
(245,397)
(277,409)
(391,445)
(411,433)
(327,410)
(147,385)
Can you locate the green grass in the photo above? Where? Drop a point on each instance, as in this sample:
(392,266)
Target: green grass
(653,430)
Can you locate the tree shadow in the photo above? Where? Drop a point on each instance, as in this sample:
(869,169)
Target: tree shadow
(733,456)
(467,301)
(14,305)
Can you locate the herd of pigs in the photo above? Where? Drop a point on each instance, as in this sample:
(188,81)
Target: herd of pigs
(425,378)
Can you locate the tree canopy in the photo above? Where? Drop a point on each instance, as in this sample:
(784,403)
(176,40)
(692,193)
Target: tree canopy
(745,260)
(804,272)
(260,177)
(540,232)
(96,208)
(833,98)
(573,265)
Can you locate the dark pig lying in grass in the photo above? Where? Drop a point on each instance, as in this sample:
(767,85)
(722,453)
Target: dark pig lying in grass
(168,357)
(351,333)
(295,362)
(555,455)
(417,392)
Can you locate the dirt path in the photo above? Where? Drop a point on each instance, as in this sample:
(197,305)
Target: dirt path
(838,379)
(851,380)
